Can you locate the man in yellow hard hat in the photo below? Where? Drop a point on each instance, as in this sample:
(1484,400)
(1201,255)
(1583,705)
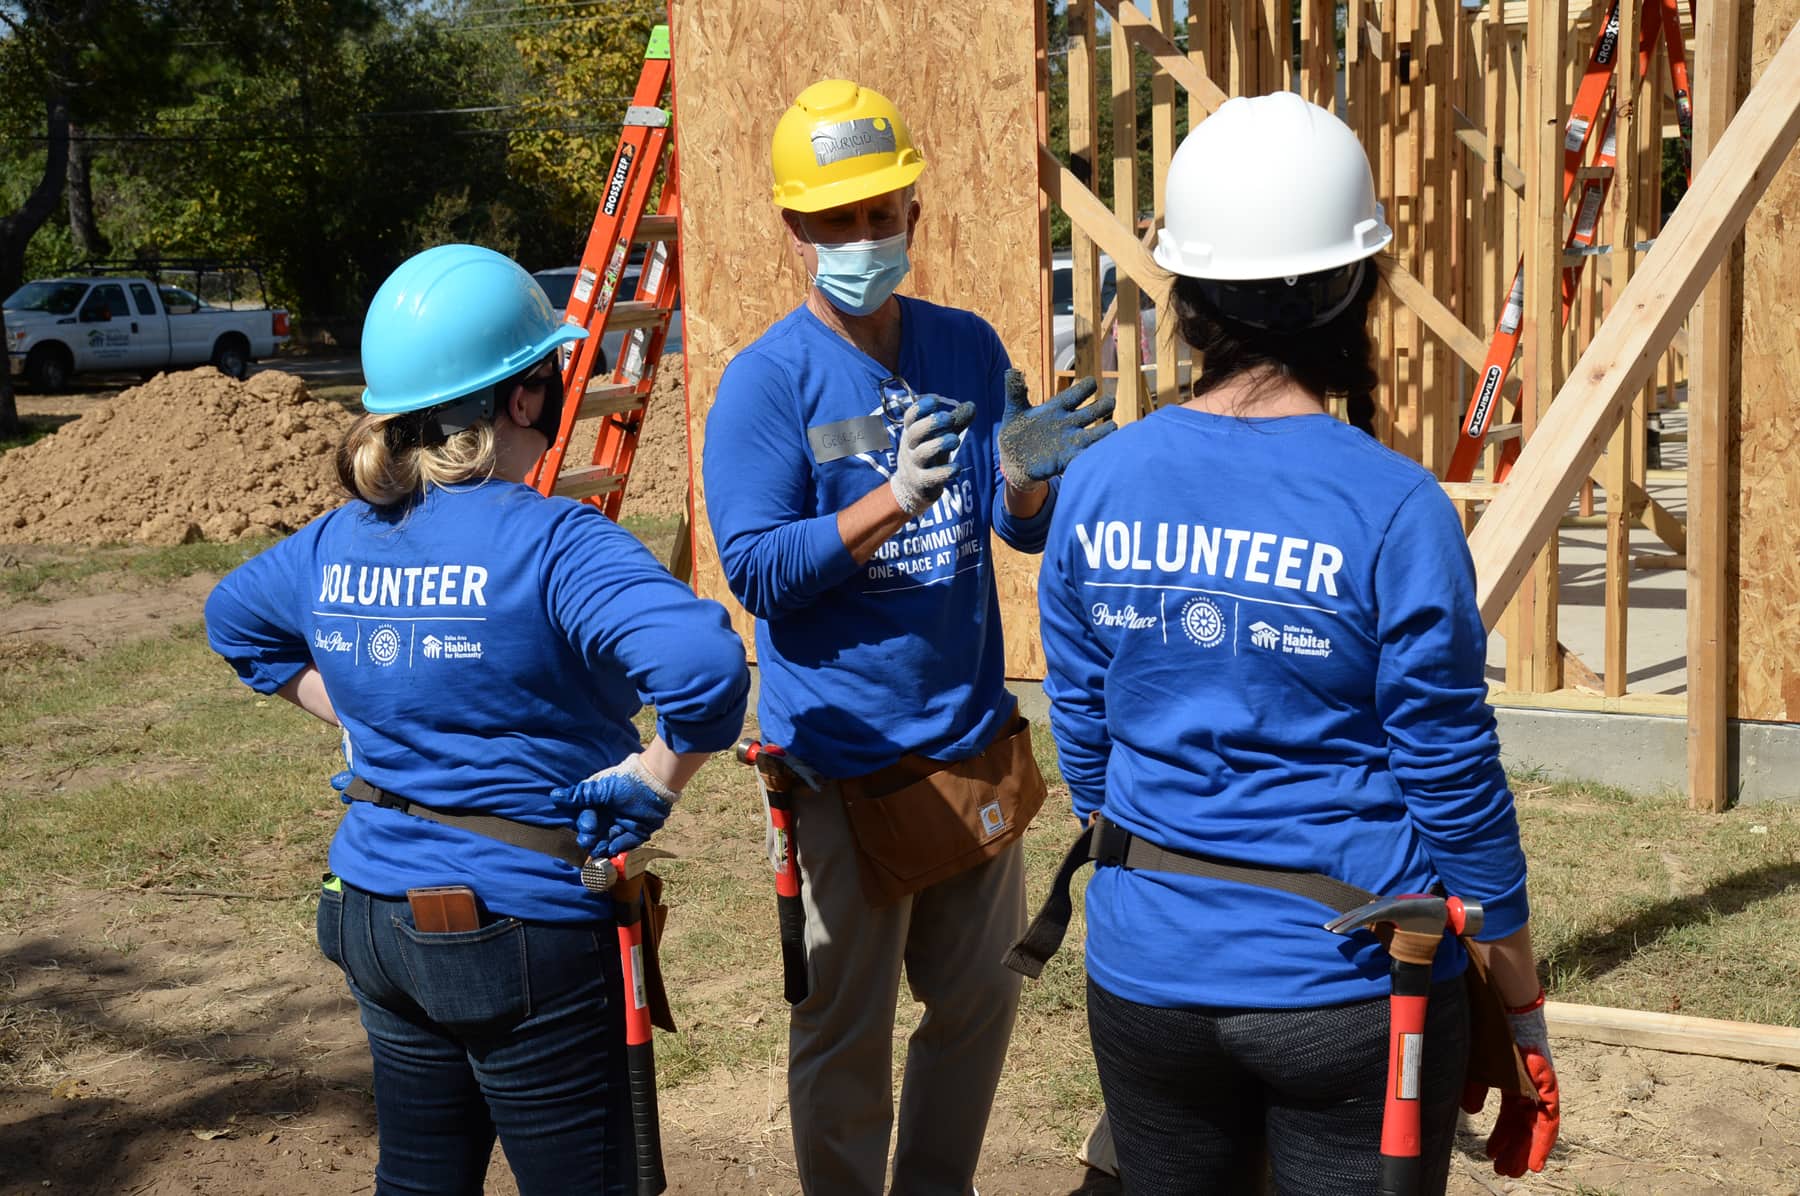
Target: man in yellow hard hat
(858,455)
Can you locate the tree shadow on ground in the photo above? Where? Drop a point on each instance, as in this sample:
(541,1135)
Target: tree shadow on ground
(1601,950)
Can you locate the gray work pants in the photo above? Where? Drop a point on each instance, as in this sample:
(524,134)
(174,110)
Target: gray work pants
(951,938)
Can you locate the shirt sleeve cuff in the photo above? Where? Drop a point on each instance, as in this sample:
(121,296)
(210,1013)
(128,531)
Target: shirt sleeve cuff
(1505,914)
(831,561)
(267,676)
(710,735)
(1026,535)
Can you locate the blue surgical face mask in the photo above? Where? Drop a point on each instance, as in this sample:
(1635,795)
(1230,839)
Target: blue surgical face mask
(858,276)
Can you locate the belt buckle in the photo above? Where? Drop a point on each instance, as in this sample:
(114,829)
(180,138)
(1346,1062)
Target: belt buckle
(1110,844)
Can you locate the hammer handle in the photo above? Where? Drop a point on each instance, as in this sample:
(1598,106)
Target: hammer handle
(790,912)
(640,1050)
(1406,1058)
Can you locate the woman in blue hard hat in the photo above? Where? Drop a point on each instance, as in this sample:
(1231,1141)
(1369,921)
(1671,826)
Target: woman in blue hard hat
(1265,660)
(484,648)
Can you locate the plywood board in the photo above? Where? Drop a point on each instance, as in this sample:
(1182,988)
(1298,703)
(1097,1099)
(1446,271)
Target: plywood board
(1764,580)
(965,76)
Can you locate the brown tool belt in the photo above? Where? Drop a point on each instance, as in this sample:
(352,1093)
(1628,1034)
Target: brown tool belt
(920,821)
(550,840)
(1493,1057)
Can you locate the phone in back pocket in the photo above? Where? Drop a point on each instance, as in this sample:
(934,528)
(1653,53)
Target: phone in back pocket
(442,909)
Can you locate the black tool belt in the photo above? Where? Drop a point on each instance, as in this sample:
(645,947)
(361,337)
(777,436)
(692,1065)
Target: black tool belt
(550,840)
(1110,845)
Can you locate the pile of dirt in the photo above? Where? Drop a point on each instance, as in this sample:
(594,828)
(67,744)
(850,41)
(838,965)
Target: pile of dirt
(184,457)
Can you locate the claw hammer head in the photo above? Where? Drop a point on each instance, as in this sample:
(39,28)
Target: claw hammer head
(1418,913)
(603,875)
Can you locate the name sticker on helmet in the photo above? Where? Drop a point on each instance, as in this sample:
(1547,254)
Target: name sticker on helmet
(852,139)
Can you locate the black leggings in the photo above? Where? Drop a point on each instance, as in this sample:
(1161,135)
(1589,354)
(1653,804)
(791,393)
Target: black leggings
(1192,1093)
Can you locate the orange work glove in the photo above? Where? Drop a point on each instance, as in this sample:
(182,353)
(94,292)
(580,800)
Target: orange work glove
(1526,1129)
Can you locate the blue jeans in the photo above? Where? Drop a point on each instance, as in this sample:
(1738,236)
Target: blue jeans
(514,1028)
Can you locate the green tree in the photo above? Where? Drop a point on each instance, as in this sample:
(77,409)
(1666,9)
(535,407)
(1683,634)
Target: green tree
(66,62)
(580,67)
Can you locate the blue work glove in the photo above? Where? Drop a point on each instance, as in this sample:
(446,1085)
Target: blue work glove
(926,458)
(617,808)
(1037,443)
(341,781)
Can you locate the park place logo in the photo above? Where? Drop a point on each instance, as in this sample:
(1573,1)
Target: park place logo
(335,642)
(1264,636)
(432,646)
(384,645)
(1203,621)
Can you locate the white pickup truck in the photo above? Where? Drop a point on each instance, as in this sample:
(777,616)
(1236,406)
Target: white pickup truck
(59,327)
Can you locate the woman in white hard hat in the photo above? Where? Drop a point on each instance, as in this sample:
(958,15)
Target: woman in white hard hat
(1265,660)
(483,648)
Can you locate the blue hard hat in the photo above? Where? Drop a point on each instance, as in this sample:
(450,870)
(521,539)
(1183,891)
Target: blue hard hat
(450,321)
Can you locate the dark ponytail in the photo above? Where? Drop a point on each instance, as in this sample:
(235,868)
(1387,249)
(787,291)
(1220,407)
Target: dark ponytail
(1335,358)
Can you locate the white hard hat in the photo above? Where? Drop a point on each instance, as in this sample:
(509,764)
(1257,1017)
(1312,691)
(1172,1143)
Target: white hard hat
(1269,187)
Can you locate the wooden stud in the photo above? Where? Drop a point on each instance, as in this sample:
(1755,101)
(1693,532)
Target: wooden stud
(1734,176)
(1616,634)
(1162,149)
(1125,205)
(1084,125)
(1533,657)
(1709,482)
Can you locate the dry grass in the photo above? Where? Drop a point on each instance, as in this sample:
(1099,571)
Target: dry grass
(170,775)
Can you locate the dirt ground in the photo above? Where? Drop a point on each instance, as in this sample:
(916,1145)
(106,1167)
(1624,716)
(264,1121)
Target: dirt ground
(156,1042)
(196,1042)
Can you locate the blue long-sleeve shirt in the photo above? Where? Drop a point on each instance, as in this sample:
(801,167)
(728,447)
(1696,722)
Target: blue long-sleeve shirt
(488,647)
(861,664)
(1263,646)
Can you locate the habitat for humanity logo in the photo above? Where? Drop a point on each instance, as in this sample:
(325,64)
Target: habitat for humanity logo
(1291,640)
(335,642)
(1203,621)
(450,647)
(384,645)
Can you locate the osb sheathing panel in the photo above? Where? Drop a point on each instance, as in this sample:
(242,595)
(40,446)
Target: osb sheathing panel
(964,77)
(1765,563)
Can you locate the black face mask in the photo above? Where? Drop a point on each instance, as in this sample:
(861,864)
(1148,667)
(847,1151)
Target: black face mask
(549,420)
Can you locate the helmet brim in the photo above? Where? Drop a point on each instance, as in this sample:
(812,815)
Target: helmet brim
(512,364)
(851,190)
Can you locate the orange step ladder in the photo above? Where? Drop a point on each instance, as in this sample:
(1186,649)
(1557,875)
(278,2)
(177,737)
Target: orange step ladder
(618,398)
(1659,17)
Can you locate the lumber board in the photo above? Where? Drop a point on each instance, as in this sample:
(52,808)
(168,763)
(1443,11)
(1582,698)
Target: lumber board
(1763,582)
(1533,657)
(1126,340)
(1675,1032)
(1625,350)
(1094,218)
(1708,498)
(1084,126)
(968,87)
(1162,152)
(1141,32)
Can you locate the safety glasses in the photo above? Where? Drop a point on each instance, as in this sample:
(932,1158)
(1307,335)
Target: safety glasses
(896,397)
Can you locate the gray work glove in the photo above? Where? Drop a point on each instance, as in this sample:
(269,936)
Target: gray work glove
(1037,443)
(926,457)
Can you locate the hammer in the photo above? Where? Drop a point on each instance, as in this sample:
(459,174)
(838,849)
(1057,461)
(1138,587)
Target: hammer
(1417,922)
(778,771)
(622,877)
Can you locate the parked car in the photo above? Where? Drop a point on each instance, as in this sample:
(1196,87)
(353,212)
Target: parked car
(559,281)
(60,327)
(1062,314)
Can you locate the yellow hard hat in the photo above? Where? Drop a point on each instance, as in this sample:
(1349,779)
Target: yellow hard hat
(838,144)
